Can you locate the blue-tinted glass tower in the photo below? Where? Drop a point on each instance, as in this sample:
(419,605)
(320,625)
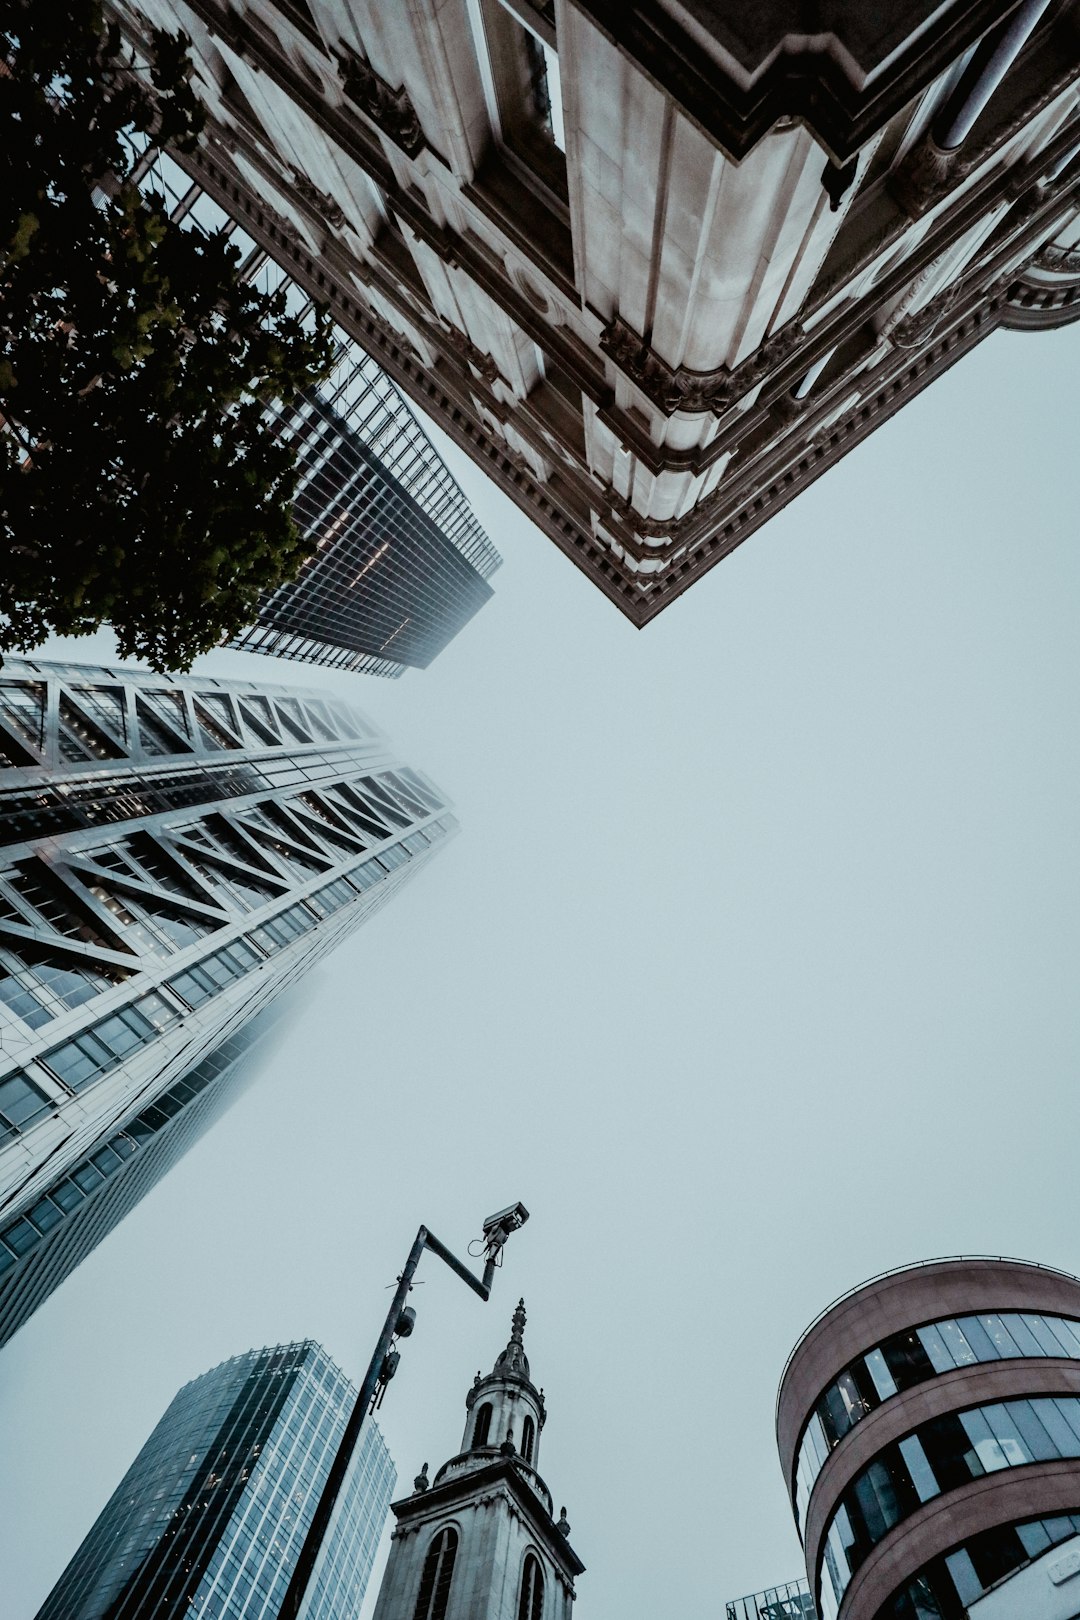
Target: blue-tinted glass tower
(209,1519)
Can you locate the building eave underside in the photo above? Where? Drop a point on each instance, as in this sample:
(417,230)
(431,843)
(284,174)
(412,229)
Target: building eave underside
(640,603)
(563,509)
(843,90)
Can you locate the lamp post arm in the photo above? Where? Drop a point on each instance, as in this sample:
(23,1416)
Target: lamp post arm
(478,1287)
(324,1507)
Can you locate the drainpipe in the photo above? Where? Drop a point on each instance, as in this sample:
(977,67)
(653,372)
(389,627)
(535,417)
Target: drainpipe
(993,59)
(807,381)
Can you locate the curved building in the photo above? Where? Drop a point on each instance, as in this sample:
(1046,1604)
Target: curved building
(929,1432)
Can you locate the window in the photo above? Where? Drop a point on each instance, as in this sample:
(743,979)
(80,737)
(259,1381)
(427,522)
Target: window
(528,1439)
(944,1454)
(948,1585)
(437,1574)
(531,1601)
(910,1358)
(21,1103)
(525,93)
(482,1426)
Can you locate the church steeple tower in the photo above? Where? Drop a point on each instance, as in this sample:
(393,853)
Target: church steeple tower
(506,1407)
(481,1541)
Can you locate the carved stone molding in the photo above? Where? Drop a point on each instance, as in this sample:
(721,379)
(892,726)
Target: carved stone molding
(391,110)
(467,349)
(916,329)
(787,408)
(924,177)
(318,201)
(928,172)
(680,389)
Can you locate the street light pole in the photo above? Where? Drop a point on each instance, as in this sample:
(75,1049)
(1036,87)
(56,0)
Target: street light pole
(497,1229)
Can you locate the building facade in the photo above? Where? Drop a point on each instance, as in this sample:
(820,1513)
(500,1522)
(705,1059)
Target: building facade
(929,1432)
(176,853)
(209,1519)
(401,563)
(480,1541)
(655,264)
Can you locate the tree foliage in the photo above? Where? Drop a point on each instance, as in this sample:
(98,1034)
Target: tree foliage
(141,482)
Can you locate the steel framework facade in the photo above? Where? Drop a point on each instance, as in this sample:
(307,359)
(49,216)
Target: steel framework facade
(176,853)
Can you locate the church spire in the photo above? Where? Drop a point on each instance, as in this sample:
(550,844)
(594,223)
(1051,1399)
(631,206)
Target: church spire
(513,1359)
(505,1410)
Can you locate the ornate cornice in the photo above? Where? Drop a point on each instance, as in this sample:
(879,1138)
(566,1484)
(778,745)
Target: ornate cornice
(499,1483)
(390,110)
(674,389)
(844,78)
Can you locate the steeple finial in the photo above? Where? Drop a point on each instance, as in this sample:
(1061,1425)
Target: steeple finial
(513,1359)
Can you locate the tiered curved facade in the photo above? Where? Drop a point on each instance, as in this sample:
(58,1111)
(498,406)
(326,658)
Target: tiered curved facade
(929,1431)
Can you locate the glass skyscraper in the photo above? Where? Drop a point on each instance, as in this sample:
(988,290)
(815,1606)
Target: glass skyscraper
(175,852)
(208,1521)
(401,563)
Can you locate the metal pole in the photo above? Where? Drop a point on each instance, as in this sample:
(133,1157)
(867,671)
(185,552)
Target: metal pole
(324,1507)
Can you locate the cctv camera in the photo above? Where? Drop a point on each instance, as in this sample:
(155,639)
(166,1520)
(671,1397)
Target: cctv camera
(506,1221)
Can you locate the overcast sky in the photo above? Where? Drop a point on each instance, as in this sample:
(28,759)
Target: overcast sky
(753,972)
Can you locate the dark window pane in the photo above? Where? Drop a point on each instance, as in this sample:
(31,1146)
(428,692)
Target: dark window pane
(907,1360)
(996,1553)
(44,1215)
(945,1444)
(150,1120)
(106,1160)
(21,1236)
